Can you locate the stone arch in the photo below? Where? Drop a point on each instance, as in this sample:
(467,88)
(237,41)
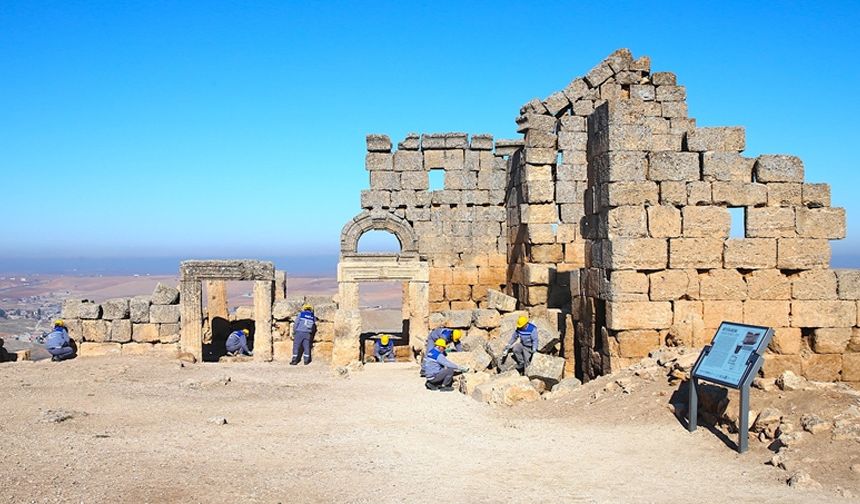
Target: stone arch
(377,220)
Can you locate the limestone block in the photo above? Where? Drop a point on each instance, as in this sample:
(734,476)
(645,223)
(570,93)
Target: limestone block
(823,313)
(663,79)
(378,143)
(408,161)
(164,314)
(385,180)
(538,156)
(854,342)
(144,333)
(456,140)
(486,318)
(627,193)
(416,180)
(706,222)
(506,389)
(458,292)
(95,330)
(739,194)
(120,331)
(786,340)
(621,315)
(410,142)
(546,368)
(849,283)
(569,192)
(816,195)
(635,253)
(664,221)
(623,166)
(767,313)
(136,349)
(750,253)
(726,139)
(99,349)
(75,328)
(678,166)
(819,367)
(770,222)
(476,359)
(465,275)
(536,274)
(501,302)
(666,142)
(139,309)
(715,312)
(673,193)
(802,253)
(851,367)
(644,92)
(165,295)
(535,295)
(699,193)
(87,310)
(668,285)
(726,166)
(461,180)
(467,304)
(458,319)
(553,253)
(625,137)
(541,139)
(821,223)
(542,213)
(375,199)
(599,74)
(814,284)
(624,222)
(637,343)
(784,194)
(538,192)
(722,284)
(282,310)
(169,333)
(831,340)
(491,179)
(775,365)
(768,284)
(116,308)
(700,253)
(778,168)
(481,142)
(674,109)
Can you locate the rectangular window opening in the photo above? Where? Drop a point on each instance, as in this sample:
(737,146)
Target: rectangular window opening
(739,228)
(437,179)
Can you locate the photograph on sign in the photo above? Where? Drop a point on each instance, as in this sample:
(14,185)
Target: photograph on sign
(731,352)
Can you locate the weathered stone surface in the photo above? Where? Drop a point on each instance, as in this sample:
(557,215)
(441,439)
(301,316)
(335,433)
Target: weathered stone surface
(823,313)
(506,389)
(802,253)
(95,330)
(470,381)
(638,315)
(476,359)
(821,367)
(814,284)
(81,309)
(624,222)
(116,308)
(378,143)
(458,318)
(628,193)
(700,253)
(499,301)
(849,283)
(144,333)
(706,222)
(678,166)
(673,284)
(164,314)
(767,313)
(778,168)
(165,295)
(547,368)
(169,333)
(786,340)
(768,284)
(831,340)
(664,221)
(722,284)
(716,312)
(826,223)
(139,309)
(770,222)
(727,139)
(283,310)
(851,367)
(637,343)
(635,253)
(738,194)
(120,331)
(774,365)
(99,349)
(816,195)
(726,166)
(486,319)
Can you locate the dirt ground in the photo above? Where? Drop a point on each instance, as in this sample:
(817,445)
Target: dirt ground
(143,431)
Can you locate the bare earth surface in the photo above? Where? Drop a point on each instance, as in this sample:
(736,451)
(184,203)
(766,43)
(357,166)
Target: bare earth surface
(140,431)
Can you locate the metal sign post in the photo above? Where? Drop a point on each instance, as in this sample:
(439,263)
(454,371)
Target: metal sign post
(733,360)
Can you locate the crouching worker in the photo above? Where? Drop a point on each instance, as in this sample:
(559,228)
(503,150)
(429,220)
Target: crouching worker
(438,369)
(383,349)
(527,334)
(303,330)
(58,343)
(237,343)
(449,335)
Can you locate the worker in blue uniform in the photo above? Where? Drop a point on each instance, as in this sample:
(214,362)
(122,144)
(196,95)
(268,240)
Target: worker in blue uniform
(303,331)
(237,343)
(438,370)
(523,343)
(383,348)
(58,343)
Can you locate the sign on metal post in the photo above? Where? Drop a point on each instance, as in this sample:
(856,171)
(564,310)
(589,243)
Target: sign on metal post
(732,359)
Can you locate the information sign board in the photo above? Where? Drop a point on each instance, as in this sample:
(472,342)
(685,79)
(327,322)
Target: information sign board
(732,354)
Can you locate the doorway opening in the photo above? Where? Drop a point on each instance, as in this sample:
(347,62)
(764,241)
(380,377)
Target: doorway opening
(384,310)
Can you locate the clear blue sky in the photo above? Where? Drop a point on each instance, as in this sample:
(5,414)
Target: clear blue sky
(237,128)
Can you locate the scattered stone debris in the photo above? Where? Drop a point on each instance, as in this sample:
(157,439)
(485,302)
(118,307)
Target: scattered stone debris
(803,481)
(814,424)
(217,420)
(346,371)
(58,416)
(789,381)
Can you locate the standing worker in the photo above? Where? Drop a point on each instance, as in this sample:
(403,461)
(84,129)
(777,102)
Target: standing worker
(449,335)
(383,348)
(438,369)
(237,343)
(58,343)
(527,333)
(303,330)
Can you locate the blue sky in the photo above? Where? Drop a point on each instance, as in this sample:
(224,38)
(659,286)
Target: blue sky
(237,128)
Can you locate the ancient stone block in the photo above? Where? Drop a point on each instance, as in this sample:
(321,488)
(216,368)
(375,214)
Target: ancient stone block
(699,193)
(621,285)
(664,221)
(541,139)
(95,330)
(668,285)
(408,161)
(768,284)
(540,156)
(778,168)
(706,222)
(715,312)
(375,199)
(456,141)
(411,142)
(553,253)
(663,79)
(821,223)
(546,368)
(750,253)
(673,193)
(802,253)
(637,343)
(700,253)
(627,193)
(164,314)
(644,92)
(816,195)
(538,192)
(378,143)
(767,313)
(461,319)
(739,194)
(726,166)
(599,74)
(726,139)
(86,310)
(165,295)
(481,142)
(385,180)
(775,365)
(823,313)
(486,319)
(784,194)
(722,284)
(139,309)
(536,274)
(625,222)
(851,367)
(786,340)
(99,349)
(136,349)
(820,367)
(674,109)
(635,253)
(458,292)
(499,301)
(115,309)
(830,340)
(144,333)
(622,315)
(849,283)
(415,180)
(120,331)
(770,222)
(677,166)
(169,333)
(814,284)
(541,213)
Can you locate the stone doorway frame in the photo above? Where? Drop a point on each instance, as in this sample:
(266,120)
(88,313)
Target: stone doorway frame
(193,273)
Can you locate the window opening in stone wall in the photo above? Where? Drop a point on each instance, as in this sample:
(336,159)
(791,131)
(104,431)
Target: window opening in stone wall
(383,311)
(437,179)
(227,307)
(379,241)
(738,216)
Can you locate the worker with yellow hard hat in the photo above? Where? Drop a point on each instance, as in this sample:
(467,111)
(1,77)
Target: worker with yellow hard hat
(449,335)
(438,370)
(523,343)
(383,348)
(303,332)
(237,343)
(58,343)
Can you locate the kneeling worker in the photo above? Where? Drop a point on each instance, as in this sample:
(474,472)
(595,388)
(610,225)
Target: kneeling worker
(237,343)
(449,335)
(438,369)
(58,343)
(383,348)
(527,334)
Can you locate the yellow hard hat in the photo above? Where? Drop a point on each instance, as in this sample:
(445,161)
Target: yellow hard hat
(457,334)
(441,342)
(522,321)
(247,332)
(384,339)
(59,323)
(307,307)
